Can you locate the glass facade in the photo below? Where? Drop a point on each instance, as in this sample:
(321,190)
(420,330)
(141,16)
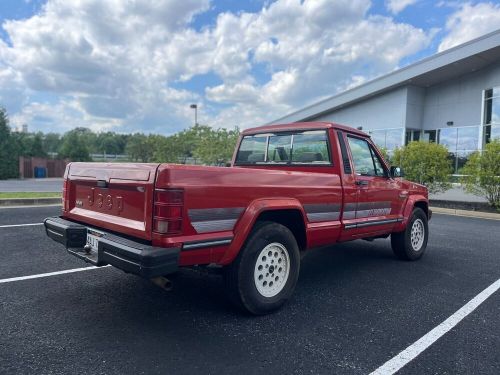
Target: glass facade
(460,142)
(491,114)
(387,138)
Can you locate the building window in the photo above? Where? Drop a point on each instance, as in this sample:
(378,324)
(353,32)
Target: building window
(429,136)
(389,139)
(412,136)
(460,142)
(491,114)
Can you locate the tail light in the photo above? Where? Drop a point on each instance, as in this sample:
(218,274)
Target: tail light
(65,195)
(167,214)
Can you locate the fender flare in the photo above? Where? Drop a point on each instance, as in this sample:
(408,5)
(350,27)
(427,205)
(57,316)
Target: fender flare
(246,222)
(410,204)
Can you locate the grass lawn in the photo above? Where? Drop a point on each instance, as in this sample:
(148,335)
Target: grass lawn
(10,195)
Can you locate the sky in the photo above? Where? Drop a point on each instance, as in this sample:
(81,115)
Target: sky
(138,65)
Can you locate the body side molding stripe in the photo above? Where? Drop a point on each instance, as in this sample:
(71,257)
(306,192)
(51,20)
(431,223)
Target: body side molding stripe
(371,223)
(200,244)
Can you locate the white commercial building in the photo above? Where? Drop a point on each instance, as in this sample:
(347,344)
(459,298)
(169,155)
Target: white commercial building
(452,98)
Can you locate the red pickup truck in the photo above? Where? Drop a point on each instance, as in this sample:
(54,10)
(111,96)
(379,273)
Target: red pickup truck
(290,188)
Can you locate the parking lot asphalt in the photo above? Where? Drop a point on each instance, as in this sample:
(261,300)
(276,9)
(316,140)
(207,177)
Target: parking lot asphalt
(355,307)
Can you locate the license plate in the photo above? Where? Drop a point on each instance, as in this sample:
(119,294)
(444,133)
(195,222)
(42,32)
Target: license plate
(93,239)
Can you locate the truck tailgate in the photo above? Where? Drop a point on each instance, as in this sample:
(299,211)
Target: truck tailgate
(112,196)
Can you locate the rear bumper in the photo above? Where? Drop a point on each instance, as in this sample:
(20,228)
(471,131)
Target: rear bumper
(127,255)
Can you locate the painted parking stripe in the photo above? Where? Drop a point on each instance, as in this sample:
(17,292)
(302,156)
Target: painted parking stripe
(40,275)
(20,225)
(31,206)
(414,350)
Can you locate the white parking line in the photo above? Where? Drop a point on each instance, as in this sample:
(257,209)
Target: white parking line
(33,206)
(20,225)
(40,275)
(414,350)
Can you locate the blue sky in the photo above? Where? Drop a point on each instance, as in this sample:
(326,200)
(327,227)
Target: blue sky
(138,65)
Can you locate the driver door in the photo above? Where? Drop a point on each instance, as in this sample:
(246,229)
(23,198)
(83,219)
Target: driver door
(378,204)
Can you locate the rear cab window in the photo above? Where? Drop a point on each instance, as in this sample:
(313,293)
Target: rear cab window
(298,148)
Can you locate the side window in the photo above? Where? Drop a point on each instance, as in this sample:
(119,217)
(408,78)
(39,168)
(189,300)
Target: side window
(366,162)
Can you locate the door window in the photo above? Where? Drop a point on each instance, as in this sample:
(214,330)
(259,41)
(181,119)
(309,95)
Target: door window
(366,162)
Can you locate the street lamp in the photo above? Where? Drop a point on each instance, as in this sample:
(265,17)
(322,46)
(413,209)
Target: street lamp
(195,107)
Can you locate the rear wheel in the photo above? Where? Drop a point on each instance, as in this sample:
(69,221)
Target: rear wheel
(263,276)
(412,242)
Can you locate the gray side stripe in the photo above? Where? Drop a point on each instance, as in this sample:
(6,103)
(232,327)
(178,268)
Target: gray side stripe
(205,214)
(206,220)
(366,209)
(372,205)
(322,212)
(213,225)
(323,216)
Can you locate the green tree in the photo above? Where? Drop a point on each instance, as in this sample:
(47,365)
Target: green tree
(425,163)
(482,173)
(51,142)
(166,149)
(9,165)
(139,148)
(74,147)
(108,143)
(37,148)
(216,147)
(385,154)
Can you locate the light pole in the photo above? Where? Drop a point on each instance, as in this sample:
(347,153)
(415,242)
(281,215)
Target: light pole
(195,107)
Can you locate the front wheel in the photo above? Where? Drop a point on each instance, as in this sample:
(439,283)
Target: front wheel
(263,276)
(412,242)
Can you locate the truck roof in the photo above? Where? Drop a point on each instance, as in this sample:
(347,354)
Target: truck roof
(303,126)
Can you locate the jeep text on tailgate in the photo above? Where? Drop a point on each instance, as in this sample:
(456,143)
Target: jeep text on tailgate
(290,188)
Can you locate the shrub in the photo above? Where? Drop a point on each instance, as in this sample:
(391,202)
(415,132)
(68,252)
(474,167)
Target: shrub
(482,173)
(425,163)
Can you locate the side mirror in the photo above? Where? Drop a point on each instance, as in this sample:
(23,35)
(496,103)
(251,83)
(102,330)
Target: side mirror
(396,172)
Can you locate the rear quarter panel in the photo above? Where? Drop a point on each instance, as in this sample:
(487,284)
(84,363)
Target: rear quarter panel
(248,192)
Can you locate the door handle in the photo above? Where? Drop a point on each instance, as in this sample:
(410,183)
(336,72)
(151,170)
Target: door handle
(361,182)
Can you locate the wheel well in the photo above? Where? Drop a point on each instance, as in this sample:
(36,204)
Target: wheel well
(292,219)
(423,205)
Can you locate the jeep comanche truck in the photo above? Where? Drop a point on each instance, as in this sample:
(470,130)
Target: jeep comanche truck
(289,188)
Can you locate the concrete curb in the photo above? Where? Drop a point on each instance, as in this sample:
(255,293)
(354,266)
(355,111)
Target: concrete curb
(466,213)
(29,201)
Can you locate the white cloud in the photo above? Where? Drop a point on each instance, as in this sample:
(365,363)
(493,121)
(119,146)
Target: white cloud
(396,6)
(118,65)
(308,56)
(469,22)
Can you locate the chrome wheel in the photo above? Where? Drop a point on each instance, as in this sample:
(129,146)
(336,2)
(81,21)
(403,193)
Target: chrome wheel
(272,269)
(417,234)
